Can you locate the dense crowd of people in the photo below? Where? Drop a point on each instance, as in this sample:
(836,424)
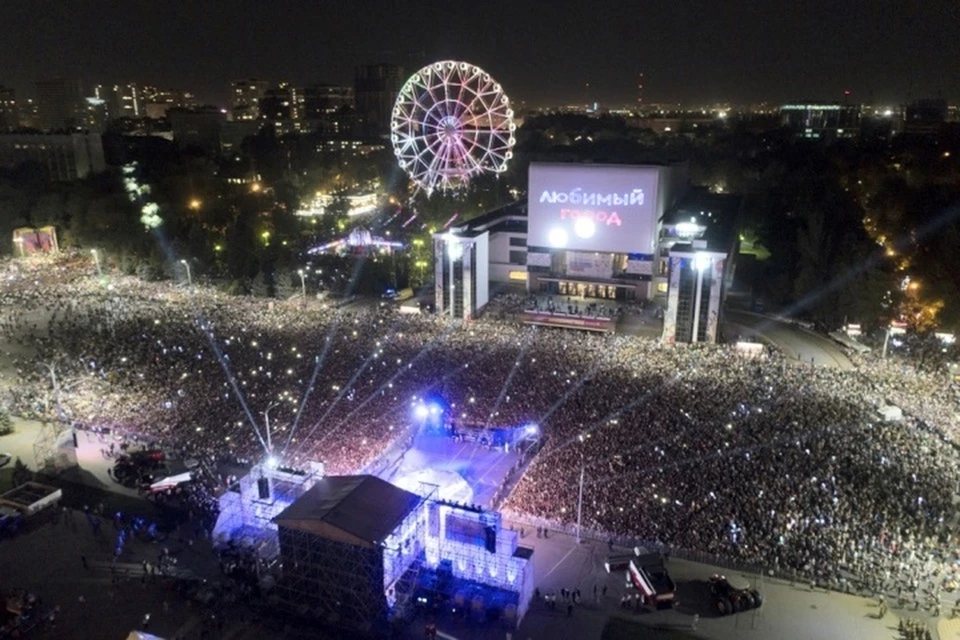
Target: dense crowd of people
(694,447)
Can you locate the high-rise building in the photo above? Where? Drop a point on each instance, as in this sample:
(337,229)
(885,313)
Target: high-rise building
(155,103)
(57,103)
(245,96)
(9,117)
(822,120)
(29,114)
(124,102)
(280,102)
(376,87)
(323,100)
(94,116)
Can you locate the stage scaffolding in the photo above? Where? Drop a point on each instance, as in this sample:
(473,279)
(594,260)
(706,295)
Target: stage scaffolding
(334,576)
(246,516)
(350,584)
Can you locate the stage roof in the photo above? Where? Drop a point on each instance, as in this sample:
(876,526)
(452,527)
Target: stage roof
(365,508)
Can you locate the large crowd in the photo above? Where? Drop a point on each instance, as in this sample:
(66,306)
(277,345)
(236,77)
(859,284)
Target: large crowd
(763,461)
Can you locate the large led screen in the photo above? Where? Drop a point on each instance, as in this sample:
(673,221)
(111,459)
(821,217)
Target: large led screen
(609,208)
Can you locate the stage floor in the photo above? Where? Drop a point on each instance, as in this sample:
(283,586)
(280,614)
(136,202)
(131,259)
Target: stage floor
(484,469)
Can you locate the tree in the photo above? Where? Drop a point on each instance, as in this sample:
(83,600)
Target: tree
(259,286)
(6,422)
(21,473)
(284,285)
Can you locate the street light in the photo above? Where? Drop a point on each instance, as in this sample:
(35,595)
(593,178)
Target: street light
(303,283)
(194,204)
(189,276)
(96,259)
(892,330)
(266,422)
(580,497)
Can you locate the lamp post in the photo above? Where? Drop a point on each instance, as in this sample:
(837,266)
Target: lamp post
(266,422)
(892,330)
(96,259)
(303,283)
(580,497)
(189,275)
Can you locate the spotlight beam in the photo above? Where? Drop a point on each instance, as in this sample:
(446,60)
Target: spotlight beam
(345,390)
(570,392)
(404,367)
(171,259)
(949,216)
(513,371)
(613,415)
(328,340)
(236,388)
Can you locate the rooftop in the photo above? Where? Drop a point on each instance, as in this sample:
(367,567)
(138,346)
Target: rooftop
(365,507)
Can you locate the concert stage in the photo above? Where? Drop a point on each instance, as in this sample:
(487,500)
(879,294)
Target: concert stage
(483,469)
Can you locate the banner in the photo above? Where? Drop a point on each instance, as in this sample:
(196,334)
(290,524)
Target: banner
(591,265)
(538,259)
(641,267)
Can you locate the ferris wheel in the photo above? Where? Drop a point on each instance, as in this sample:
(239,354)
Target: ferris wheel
(451,122)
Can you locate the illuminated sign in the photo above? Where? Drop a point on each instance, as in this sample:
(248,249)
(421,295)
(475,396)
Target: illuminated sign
(568,321)
(810,107)
(605,208)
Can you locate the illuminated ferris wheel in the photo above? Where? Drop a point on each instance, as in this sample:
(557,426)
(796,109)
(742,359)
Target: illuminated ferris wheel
(451,122)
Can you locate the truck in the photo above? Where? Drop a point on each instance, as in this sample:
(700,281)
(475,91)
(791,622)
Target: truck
(733,595)
(647,573)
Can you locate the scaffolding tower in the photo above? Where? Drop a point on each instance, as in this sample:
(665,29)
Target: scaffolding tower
(340,569)
(247,510)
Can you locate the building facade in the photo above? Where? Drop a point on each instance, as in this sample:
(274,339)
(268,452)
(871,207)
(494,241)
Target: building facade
(245,96)
(461,276)
(200,128)
(9,116)
(822,120)
(61,157)
(618,233)
(376,87)
(57,104)
(694,301)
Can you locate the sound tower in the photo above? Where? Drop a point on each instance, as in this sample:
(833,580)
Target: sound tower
(263,488)
(490,539)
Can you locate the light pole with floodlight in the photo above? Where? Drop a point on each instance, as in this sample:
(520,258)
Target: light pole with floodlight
(96,259)
(189,275)
(266,423)
(303,283)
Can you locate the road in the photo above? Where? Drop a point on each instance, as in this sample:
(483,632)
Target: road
(795,341)
(791,612)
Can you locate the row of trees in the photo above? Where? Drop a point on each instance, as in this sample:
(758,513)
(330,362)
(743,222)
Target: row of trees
(840,227)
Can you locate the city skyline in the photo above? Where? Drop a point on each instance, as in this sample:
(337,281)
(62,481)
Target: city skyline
(573,54)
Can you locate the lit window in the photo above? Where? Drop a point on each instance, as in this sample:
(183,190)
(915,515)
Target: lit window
(662,287)
(518,275)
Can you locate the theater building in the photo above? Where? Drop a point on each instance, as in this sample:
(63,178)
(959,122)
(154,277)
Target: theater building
(601,232)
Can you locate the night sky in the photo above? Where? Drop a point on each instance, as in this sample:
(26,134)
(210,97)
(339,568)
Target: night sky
(542,52)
